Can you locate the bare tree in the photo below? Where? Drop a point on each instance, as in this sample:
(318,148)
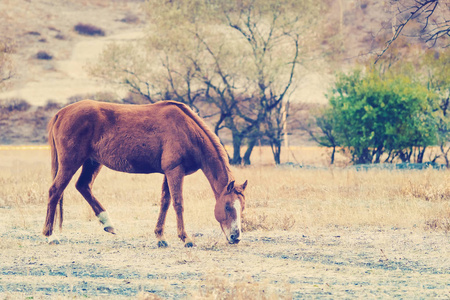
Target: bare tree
(320,127)
(238,58)
(433,17)
(438,79)
(6,65)
(260,101)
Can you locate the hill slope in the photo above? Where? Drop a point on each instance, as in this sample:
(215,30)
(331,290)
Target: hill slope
(48,27)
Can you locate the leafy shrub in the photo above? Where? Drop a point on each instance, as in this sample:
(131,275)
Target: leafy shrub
(33,33)
(261,221)
(60,36)
(8,46)
(371,114)
(438,223)
(130,18)
(14,104)
(44,55)
(88,29)
(52,105)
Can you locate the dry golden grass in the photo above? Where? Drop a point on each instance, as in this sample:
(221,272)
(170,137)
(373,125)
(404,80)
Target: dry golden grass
(278,198)
(347,197)
(289,212)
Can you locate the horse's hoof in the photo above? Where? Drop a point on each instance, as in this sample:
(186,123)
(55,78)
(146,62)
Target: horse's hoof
(189,245)
(162,244)
(110,230)
(53,241)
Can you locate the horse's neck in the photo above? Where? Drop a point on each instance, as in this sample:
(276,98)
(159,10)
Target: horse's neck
(217,173)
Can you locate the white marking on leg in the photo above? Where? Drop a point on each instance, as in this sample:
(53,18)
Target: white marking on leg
(103,217)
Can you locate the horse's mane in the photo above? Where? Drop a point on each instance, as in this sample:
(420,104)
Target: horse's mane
(213,138)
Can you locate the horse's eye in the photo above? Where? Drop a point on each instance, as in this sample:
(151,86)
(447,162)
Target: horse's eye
(228,207)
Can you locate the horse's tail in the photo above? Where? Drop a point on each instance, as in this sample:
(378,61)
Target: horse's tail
(54,162)
(51,142)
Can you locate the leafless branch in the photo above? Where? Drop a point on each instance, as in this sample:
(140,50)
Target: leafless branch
(8,76)
(136,88)
(424,12)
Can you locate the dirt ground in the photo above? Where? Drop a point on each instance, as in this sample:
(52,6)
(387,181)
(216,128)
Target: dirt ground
(309,234)
(330,263)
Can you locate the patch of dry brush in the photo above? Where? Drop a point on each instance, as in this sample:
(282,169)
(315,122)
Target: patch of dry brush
(278,198)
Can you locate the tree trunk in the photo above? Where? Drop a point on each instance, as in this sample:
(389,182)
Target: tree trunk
(378,154)
(250,145)
(445,153)
(237,142)
(405,155)
(364,157)
(332,155)
(420,155)
(276,150)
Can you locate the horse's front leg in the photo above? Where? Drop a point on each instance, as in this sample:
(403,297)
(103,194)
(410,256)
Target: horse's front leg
(175,182)
(165,203)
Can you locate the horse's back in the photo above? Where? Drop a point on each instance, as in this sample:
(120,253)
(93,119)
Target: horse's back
(129,138)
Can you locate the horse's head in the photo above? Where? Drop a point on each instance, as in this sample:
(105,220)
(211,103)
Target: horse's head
(228,211)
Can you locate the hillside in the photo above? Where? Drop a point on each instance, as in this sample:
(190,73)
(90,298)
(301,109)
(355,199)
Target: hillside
(39,25)
(49,56)
(48,27)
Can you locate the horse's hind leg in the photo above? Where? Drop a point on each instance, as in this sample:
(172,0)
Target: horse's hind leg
(165,203)
(90,170)
(55,193)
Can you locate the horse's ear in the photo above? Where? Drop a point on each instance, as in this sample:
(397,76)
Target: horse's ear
(230,187)
(243,186)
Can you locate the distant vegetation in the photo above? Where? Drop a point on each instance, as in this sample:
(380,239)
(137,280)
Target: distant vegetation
(100,96)
(21,123)
(13,104)
(88,29)
(34,33)
(44,55)
(237,59)
(238,63)
(130,18)
(60,36)
(7,68)
(383,115)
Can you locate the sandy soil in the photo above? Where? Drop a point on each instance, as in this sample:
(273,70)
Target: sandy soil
(308,259)
(324,263)
(67,78)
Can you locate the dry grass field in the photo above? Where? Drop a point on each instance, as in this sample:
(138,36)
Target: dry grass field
(309,233)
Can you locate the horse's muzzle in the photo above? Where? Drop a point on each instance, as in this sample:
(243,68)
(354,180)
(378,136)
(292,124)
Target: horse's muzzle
(234,238)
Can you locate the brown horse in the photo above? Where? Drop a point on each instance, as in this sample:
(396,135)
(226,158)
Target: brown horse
(166,137)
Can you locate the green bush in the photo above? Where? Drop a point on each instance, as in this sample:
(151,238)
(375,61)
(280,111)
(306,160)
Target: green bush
(373,114)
